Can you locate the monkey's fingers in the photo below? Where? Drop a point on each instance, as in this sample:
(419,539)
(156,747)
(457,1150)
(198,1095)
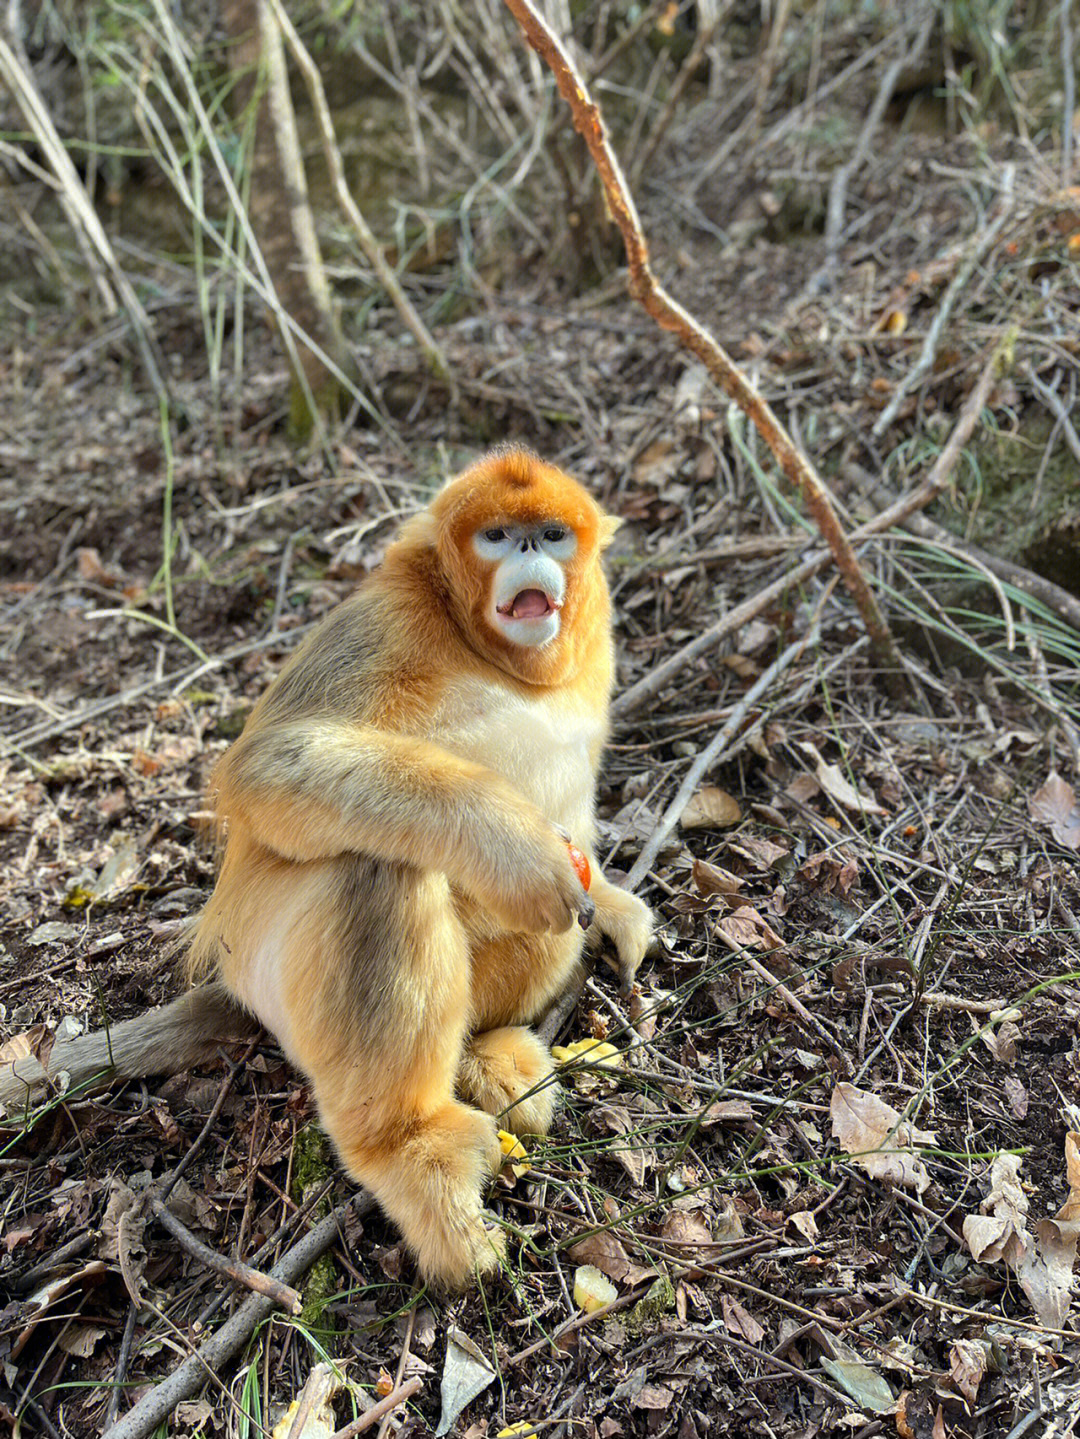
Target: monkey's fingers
(586,911)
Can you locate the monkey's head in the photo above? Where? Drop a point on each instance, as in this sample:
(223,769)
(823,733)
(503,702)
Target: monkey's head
(518,546)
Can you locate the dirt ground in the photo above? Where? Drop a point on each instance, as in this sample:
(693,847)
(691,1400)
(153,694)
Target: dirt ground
(876,889)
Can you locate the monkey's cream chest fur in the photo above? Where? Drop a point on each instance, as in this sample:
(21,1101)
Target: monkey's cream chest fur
(543,745)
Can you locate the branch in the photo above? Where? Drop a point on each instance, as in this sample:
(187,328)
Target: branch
(379,1411)
(156,1406)
(670,315)
(234,1269)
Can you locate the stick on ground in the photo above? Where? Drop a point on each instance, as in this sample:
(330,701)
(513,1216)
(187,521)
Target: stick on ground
(187,1379)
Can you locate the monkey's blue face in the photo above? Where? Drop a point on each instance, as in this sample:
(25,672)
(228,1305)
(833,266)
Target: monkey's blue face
(528,584)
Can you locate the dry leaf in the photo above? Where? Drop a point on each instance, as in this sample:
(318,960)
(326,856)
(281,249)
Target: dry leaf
(837,786)
(81,1340)
(729,1225)
(1000,1231)
(688,1234)
(830,870)
(22,1046)
(1001,1040)
(467,1372)
(1017,1096)
(877,1138)
(604,1252)
(1055,805)
(805,1223)
(739,1321)
(745,929)
(637,1157)
(967,1366)
(657,462)
(710,879)
(710,808)
(725,1111)
(89,566)
(761,853)
(1042,1261)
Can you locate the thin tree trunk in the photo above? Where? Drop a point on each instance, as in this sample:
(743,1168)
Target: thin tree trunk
(280,212)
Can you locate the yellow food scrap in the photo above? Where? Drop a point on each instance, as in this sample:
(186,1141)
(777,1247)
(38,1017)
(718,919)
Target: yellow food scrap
(523,1426)
(596,1051)
(592,1290)
(513,1148)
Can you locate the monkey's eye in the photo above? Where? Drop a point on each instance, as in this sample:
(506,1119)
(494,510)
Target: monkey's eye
(554,535)
(494,535)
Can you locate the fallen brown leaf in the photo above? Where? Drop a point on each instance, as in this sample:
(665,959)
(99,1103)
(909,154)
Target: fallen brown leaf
(967,1366)
(878,1138)
(1055,805)
(710,808)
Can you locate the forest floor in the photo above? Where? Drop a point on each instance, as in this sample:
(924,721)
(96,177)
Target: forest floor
(871,889)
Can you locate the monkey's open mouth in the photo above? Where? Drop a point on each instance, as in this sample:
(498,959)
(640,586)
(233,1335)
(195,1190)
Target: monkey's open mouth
(529,605)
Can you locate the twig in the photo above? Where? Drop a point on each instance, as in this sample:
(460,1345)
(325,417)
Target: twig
(651,684)
(708,756)
(119,1378)
(365,236)
(837,201)
(1061,414)
(552,1022)
(382,1409)
(949,458)
(319,1387)
(981,245)
(406,1344)
(234,1269)
(670,315)
(156,1406)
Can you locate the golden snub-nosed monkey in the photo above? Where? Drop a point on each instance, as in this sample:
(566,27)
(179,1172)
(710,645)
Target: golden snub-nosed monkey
(396,899)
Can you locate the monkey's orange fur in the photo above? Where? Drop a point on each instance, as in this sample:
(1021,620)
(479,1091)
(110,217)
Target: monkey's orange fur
(395,901)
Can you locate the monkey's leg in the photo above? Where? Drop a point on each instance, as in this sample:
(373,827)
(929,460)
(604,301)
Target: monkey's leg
(507,1073)
(377,992)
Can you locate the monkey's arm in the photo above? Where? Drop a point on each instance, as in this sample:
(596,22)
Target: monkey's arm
(163,1041)
(311,789)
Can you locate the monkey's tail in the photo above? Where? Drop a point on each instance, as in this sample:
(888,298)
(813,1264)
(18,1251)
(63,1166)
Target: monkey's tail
(162,1041)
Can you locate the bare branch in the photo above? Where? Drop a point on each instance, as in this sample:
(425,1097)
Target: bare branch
(670,315)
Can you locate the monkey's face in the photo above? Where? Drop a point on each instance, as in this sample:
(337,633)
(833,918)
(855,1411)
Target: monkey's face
(519,549)
(527,586)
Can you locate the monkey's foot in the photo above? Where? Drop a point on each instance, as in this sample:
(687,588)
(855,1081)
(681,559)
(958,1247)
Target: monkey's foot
(507,1072)
(628,923)
(427,1173)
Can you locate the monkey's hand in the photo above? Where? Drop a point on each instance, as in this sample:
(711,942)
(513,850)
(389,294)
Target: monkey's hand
(531,883)
(315,788)
(627,922)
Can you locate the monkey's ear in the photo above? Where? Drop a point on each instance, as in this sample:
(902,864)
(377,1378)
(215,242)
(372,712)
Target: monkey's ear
(420,530)
(608,525)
